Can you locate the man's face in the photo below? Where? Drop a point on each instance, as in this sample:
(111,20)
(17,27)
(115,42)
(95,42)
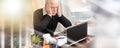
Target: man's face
(54,7)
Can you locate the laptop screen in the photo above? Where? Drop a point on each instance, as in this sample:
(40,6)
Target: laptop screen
(77,32)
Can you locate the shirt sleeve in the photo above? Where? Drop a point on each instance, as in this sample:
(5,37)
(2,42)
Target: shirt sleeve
(41,23)
(64,21)
(44,22)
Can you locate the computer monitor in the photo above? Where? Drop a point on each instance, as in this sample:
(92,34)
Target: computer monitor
(76,33)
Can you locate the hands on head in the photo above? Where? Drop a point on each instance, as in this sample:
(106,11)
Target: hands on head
(52,8)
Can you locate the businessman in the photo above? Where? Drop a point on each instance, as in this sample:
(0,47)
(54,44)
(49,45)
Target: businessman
(48,22)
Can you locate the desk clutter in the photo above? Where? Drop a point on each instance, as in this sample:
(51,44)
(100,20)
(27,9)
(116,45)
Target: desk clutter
(74,35)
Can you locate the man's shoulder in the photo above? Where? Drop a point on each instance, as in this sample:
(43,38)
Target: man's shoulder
(39,10)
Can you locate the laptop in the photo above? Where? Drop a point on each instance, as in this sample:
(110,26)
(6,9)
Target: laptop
(76,34)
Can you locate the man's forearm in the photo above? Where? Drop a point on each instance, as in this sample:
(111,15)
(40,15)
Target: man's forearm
(64,21)
(44,22)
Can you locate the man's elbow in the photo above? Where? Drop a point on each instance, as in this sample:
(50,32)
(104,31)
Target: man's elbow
(69,24)
(38,28)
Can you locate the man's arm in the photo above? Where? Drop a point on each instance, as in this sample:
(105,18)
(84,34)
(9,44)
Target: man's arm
(40,21)
(64,21)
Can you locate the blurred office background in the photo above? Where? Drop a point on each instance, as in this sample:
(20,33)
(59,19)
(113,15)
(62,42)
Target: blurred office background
(106,29)
(16,21)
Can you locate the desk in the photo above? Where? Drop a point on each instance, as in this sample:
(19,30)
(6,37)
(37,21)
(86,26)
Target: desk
(84,44)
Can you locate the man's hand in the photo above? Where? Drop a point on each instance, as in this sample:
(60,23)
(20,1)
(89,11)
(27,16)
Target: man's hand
(49,12)
(59,12)
(48,9)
